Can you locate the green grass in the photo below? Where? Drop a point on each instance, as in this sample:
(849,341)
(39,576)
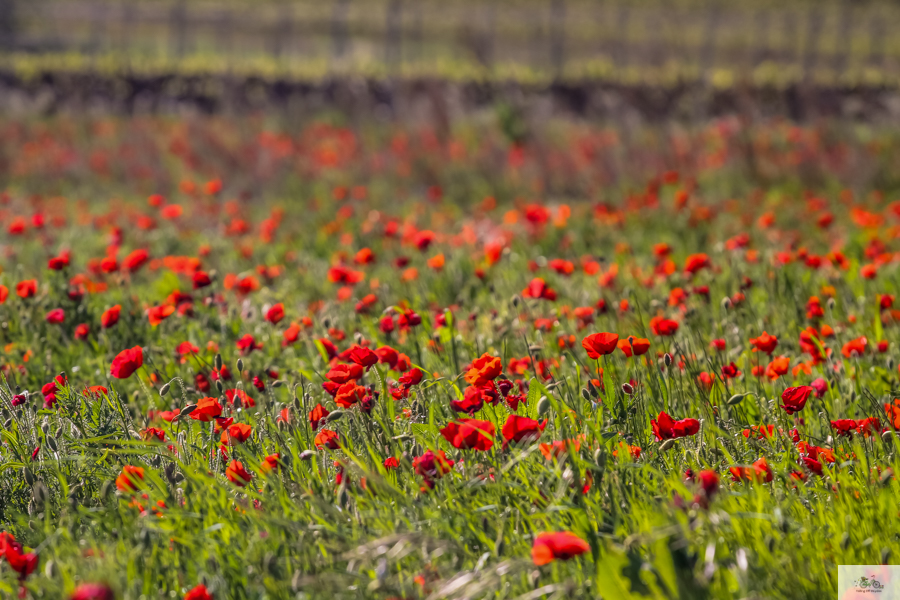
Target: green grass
(297,533)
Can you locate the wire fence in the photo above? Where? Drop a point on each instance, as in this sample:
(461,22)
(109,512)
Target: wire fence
(824,40)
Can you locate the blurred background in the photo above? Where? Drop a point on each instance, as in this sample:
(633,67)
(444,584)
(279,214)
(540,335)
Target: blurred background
(719,45)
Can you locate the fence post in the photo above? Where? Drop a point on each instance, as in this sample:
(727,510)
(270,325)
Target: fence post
(557,36)
(339,28)
(8,24)
(178,27)
(845,33)
(392,31)
(813,30)
(876,35)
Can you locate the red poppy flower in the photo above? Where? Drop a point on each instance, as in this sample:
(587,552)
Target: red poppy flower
(634,346)
(363,356)
(200,279)
(239,398)
(56,316)
(387,356)
(247,344)
(93,591)
(561,545)
(472,402)
(855,347)
(391,463)
(517,429)
(470,434)
(484,369)
(759,471)
(158,314)
(135,260)
(663,326)
(270,463)
(349,394)
(327,439)
(344,373)
(795,398)
(127,362)
(27,288)
(110,316)
(764,343)
(237,474)
(666,428)
(198,593)
(238,433)
(432,465)
(275,314)
(207,410)
(130,479)
(538,289)
(600,344)
(82,331)
(318,413)
(761,431)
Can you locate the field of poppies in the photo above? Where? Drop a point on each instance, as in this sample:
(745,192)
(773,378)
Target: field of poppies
(248,358)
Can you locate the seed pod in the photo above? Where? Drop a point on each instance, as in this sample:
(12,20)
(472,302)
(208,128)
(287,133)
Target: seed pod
(218,362)
(164,389)
(334,416)
(666,445)
(107,489)
(240,365)
(543,406)
(736,399)
(41,493)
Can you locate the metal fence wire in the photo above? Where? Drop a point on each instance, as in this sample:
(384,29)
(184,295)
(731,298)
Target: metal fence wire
(827,40)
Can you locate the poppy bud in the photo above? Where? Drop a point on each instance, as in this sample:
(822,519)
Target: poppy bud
(51,441)
(666,445)
(219,385)
(164,389)
(50,569)
(240,365)
(218,362)
(736,399)
(890,363)
(334,416)
(277,383)
(307,455)
(667,358)
(8,424)
(45,425)
(886,477)
(187,410)
(726,302)
(516,300)
(887,436)
(585,394)
(885,555)
(845,540)
(29,476)
(543,406)
(830,304)
(41,493)
(627,388)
